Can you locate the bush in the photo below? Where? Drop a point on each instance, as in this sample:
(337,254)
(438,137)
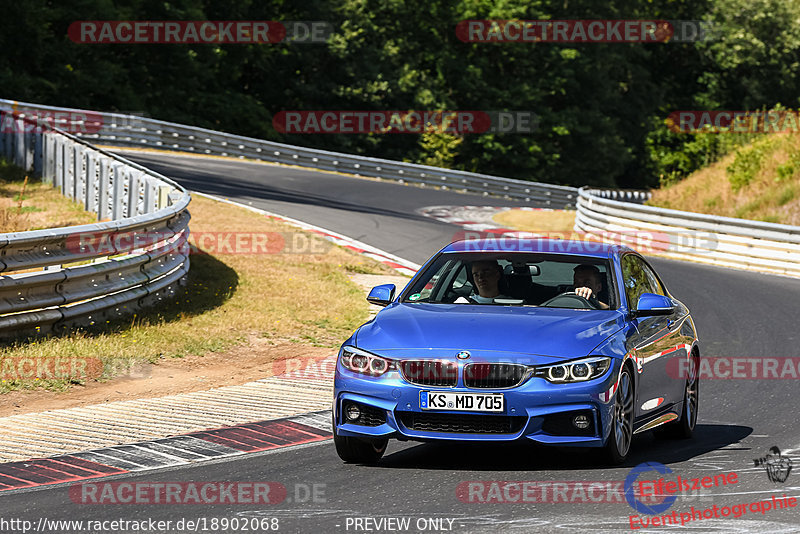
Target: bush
(748,162)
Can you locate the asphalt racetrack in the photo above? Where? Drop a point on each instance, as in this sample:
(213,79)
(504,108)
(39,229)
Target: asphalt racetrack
(421,487)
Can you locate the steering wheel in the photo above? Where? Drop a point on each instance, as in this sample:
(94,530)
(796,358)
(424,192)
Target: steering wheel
(571,299)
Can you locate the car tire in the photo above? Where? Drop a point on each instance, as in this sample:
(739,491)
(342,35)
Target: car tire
(683,428)
(357,450)
(619,440)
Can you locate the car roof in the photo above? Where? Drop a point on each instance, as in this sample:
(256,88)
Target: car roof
(545,245)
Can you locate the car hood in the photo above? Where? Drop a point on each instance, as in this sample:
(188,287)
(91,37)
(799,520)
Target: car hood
(556,332)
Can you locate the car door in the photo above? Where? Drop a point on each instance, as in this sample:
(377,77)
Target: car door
(653,342)
(675,344)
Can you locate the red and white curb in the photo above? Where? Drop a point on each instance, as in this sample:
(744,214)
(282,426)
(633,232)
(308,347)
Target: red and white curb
(479,218)
(70,430)
(476,218)
(308,383)
(395,262)
(168,452)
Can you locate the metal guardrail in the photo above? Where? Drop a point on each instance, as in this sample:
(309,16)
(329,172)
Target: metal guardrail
(722,241)
(121,130)
(41,288)
(624,195)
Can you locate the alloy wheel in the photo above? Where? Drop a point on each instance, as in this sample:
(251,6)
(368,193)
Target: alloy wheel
(623,414)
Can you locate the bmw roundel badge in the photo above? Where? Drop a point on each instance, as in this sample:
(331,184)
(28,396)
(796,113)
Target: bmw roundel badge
(463,355)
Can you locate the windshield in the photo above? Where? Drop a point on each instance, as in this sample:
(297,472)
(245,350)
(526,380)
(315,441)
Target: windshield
(516,279)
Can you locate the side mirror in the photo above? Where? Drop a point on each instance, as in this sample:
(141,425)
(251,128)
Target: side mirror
(381,295)
(651,304)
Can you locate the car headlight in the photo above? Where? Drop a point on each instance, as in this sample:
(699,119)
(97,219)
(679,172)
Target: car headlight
(365,363)
(574,371)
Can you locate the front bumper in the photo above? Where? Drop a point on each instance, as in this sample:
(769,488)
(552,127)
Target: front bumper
(536,410)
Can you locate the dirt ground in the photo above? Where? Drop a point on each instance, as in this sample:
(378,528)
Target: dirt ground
(251,361)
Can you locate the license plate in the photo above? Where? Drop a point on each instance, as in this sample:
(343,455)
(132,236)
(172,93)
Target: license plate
(464,402)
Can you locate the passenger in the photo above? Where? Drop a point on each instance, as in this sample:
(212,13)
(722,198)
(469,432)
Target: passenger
(487,275)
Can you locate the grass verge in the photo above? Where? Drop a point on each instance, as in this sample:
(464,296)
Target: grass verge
(30,204)
(537,220)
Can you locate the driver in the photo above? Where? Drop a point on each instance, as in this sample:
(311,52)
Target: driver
(588,282)
(486,274)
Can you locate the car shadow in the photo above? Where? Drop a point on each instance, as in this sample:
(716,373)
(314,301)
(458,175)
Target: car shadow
(210,283)
(530,456)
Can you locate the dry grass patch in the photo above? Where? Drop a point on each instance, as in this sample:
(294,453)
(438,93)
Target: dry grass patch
(230,300)
(537,220)
(757,181)
(30,204)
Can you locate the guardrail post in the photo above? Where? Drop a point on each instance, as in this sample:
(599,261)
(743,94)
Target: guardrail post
(78,177)
(38,153)
(5,135)
(22,149)
(14,156)
(22,146)
(19,143)
(48,154)
(12,141)
(89,194)
(117,197)
(133,193)
(62,174)
(9,145)
(163,197)
(27,153)
(103,187)
(149,196)
(69,171)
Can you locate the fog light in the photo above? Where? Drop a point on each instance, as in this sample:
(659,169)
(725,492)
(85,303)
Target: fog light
(352,412)
(581,422)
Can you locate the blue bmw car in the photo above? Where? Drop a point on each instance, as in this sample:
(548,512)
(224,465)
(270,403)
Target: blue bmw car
(566,343)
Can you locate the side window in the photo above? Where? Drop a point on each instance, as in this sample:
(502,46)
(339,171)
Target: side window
(461,278)
(608,288)
(658,289)
(636,279)
(424,289)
